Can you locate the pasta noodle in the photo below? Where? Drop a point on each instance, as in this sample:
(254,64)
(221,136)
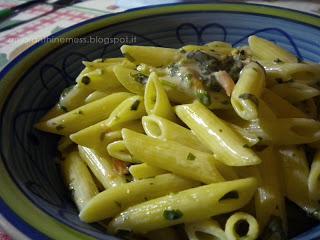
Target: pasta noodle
(207,227)
(185,206)
(114,200)
(235,220)
(198,143)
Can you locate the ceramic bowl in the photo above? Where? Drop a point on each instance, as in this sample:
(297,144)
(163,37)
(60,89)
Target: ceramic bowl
(34,202)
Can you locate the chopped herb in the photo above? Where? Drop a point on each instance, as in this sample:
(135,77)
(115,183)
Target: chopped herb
(203,97)
(278,60)
(102,136)
(260,138)
(129,57)
(254,69)
(85,80)
(151,183)
(59,127)
(118,204)
(80,112)
(63,108)
(181,50)
(135,105)
(246,146)
(172,214)
(191,157)
(230,195)
(251,97)
(140,77)
(220,130)
(146,199)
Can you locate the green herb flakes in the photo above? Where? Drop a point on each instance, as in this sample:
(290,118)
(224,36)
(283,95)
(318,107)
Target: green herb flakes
(203,97)
(118,204)
(63,108)
(191,157)
(172,214)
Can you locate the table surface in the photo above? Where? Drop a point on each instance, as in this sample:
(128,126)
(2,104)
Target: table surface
(16,40)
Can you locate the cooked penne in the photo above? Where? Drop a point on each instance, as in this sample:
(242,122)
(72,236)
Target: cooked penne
(281,107)
(102,167)
(79,180)
(233,224)
(269,199)
(154,56)
(114,200)
(172,156)
(161,128)
(100,79)
(295,92)
(296,172)
(266,50)
(156,101)
(186,206)
(246,93)
(130,79)
(119,151)
(173,137)
(208,227)
(99,135)
(143,170)
(314,178)
(226,144)
(83,116)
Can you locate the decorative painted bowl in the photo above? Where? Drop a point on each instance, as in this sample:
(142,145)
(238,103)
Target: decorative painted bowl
(34,202)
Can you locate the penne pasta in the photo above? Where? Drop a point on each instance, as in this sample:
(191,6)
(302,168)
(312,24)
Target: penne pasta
(208,227)
(79,180)
(226,144)
(186,206)
(295,92)
(246,93)
(154,56)
(143,170)
(161,128)
(114,200)
(269,199)
(156,101)
(172,156)
(102,167)
(233,224)
(130,79)
(266,50)
(119,151)
(281,107)
(295,170)
(83,116)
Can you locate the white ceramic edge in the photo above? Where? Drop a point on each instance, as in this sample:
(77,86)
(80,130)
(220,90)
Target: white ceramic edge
(12,231)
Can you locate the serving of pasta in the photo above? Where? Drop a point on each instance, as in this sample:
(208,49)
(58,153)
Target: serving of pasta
(201,142)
